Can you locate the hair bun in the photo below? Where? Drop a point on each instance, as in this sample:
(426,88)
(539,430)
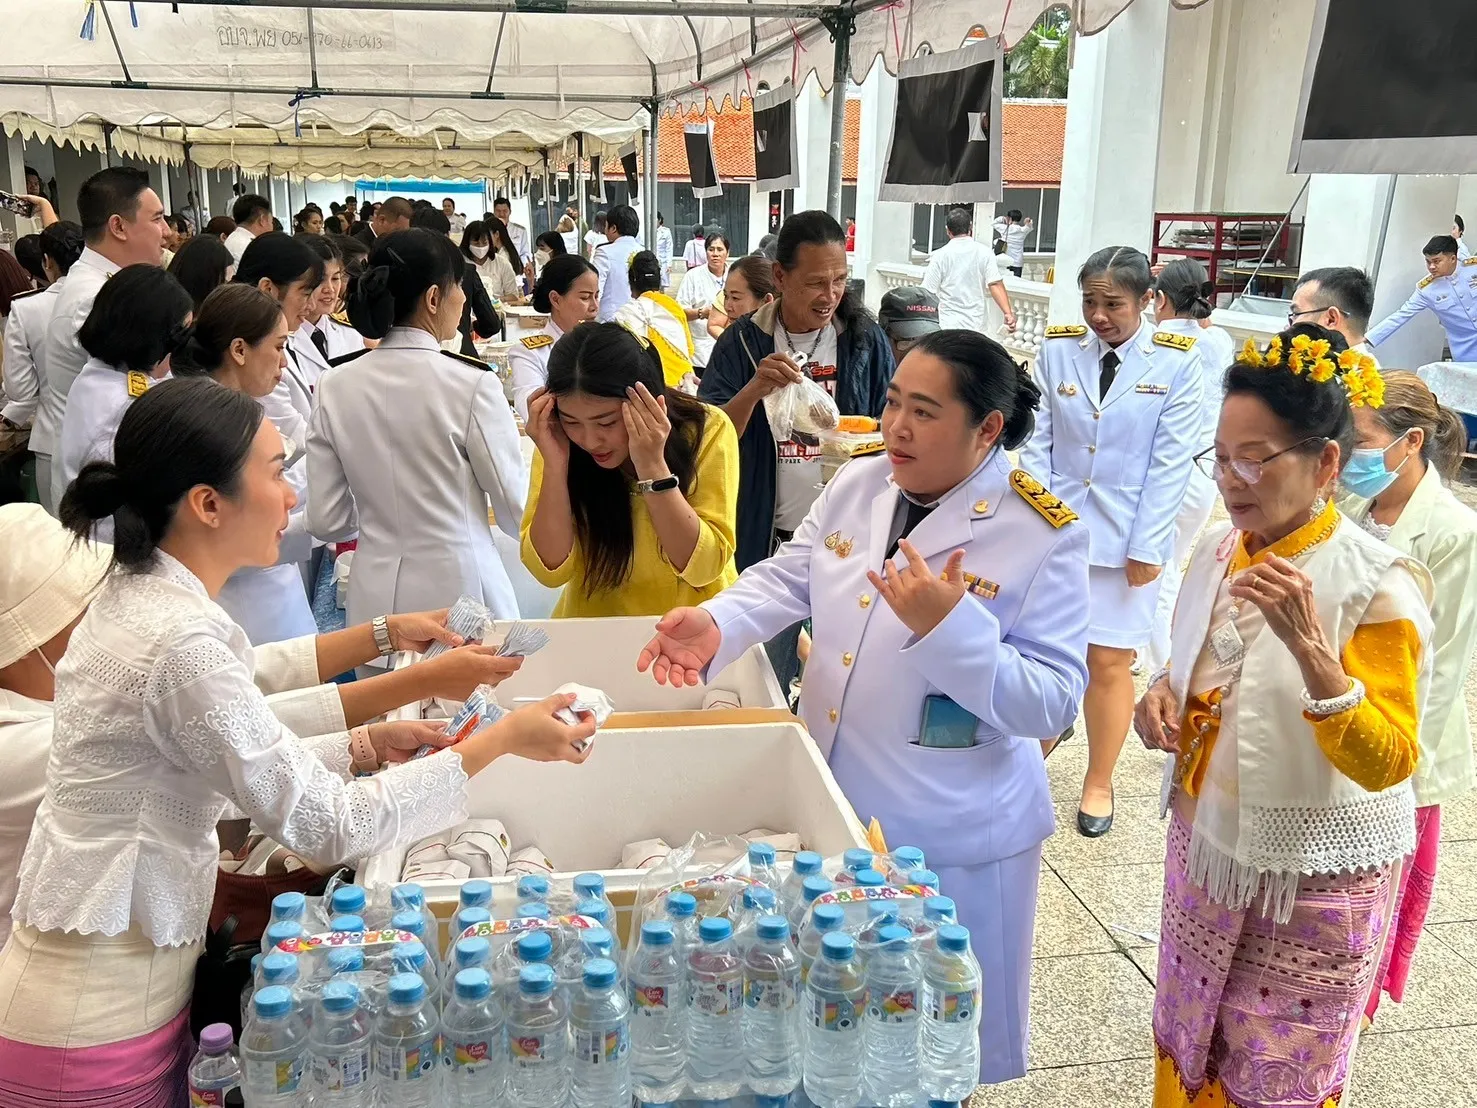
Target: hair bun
(96,493)
(370,303)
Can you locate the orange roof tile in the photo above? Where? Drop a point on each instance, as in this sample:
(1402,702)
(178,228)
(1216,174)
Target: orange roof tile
(1032,135)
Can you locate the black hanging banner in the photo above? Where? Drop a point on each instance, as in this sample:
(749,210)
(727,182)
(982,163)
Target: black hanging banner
(574,197)
(945,146)
(776,161)
(1388,95)
(702,163)
(629,165)
(597,178)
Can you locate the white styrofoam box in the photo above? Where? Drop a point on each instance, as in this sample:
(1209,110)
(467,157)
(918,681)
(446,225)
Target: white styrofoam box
(662,782)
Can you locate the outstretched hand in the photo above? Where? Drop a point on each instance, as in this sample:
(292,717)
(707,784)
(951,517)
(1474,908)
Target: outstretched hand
(686,640)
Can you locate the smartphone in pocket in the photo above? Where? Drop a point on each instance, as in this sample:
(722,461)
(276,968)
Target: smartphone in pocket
(945,724)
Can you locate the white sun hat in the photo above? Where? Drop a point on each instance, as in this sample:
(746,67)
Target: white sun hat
(47,579)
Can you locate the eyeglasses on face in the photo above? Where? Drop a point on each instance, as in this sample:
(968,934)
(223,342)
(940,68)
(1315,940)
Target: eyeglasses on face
(1248,470)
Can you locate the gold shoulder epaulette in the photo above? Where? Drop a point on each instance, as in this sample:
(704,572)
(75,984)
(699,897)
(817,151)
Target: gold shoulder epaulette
(1034,493)
(138,384)
(468,360)
(537,342)
(1471,261)
(23,295)
(341,318)
(1176,342)
(1425,281)
(1066,331)
(868,451)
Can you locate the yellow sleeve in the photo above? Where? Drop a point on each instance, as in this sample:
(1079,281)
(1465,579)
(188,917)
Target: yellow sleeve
(560,574)
(1375,744)
(714,497)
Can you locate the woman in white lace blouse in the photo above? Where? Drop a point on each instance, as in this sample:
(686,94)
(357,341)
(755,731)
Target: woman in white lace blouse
(158,727)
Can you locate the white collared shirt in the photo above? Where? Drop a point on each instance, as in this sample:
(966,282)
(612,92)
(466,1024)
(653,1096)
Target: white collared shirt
(237,242)
(63,355)
(960,274)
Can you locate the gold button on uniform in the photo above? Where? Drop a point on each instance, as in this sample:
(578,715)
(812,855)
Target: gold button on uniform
(846,659)
(1092,450)
(832,714)
(1097,415)
(1085,483)
(864,600)
(981,505)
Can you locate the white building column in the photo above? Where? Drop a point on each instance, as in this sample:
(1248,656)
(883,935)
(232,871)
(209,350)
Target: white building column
(1111,148)
(1345,218)
(813,142)
(884,229)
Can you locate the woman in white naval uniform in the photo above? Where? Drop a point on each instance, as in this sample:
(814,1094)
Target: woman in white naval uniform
(1124,408)
(139,318)
(1182,306)
(409,443)
(569,291)
(1001,633)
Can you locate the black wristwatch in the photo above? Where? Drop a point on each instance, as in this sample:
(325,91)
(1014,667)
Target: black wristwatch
(661,484)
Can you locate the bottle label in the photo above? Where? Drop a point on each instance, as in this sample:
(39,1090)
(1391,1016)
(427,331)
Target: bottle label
(341,1072)
(207,1098)
(602,1048)
(895,1007)
(644,997)
(718,998)
(528,1050)
(406,1063)
(951,1005)
(267,1078)
(475,1054)
(835,1013)
(770,996)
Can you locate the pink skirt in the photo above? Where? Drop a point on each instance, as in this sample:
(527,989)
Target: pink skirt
(1417,884)
(145,1072)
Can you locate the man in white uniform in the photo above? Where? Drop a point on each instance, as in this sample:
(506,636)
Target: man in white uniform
(253,216)
(1013,229)
(1337,298)
(1450,291)
(455,218)
(123,224)
(613,259)
(960,273)
(664,247)
(503,209)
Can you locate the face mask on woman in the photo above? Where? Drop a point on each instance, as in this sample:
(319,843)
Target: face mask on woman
(1365,474)
(479,252)
(544,254)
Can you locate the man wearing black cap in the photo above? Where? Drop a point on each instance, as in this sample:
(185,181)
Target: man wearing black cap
(906,315)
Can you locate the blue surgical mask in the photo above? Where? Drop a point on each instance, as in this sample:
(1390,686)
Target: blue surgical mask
(1365,473)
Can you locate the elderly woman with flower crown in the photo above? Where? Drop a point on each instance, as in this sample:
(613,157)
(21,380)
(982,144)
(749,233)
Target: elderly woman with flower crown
(1298,665)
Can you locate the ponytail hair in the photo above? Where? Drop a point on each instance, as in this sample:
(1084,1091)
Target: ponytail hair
(987,379)
(176,436)
(1410,403)
(402,266)
(1186,286)
(229,313)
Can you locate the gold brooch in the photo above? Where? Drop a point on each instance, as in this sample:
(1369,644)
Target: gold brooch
(1066,388)
(832,539)
(843,548)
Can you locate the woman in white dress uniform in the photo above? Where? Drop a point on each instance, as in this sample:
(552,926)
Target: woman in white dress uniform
(976,615)
(409,443)
(1124,408)
(138,319)
(569,291)
(1182,306)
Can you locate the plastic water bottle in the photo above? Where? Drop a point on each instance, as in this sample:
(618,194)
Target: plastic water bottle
(339,1048)
(925,877)
(599,1024)
(658,1015)
(407,1044)
(814,887)
(856,860)
(215,1069)
(533,888)
(472,1028)
(346,922)
(890,1028)
(715,1012)
(759,901)
(534,909)
(835,997)
(250,987)
(274,1051)
(591,886)
(347,900)
(825,919)
(682,915)
(538,1044)
(771,1010)
(880,916)
(345,959)
(475,894)
(415,958)
(870,878)
(408,919)
(904,860)
(410,897)
(951,1017)
(470,917)
(807,864)
(594,942)
(280,932)
(529,949)
(471,953)
(598,910)
(286,908)
(762,866)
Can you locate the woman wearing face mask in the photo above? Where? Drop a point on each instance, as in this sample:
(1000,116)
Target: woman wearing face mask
(631,507)
(1395,488)
(1124,409)
(493,264)
(698,291)
(568,291)
(747,288)
(547,247)
(415,483)
(137,321)
(935,579)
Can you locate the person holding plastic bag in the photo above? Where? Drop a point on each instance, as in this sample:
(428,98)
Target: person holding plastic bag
(942,586)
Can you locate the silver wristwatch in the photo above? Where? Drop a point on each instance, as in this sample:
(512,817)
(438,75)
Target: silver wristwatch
(661,484)
(381,626)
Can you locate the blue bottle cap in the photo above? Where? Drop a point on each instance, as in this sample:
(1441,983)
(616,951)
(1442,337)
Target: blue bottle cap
(346,959)
(410,955)
(657,932)
(473,984)
(340,996)
(289,906)
(346,922)
(536,980)
(813,887)
(470,917)
(407,988)
(589,885)
(925,877)
(475,894)
(828,917)
(536,946)
(761,854)
(857,859)
(773,928)
(409,920)
(953,938)
(838,946)
(895,934)
(937,908)
(283,930)
(600,973)
(347,900)
(534,909)
(597,942)
(272,1002)
(595,909)
(471,952)
(870,879)
(714,930)
(908,857)
(407,895)
(758,896)
(256,961)
(533,886)
(681,904)
(279,968)
(808,862)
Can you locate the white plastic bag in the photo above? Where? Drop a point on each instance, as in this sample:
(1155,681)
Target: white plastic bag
(800,410)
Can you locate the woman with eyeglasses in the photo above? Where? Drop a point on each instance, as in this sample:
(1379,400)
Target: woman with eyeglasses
(1299,662)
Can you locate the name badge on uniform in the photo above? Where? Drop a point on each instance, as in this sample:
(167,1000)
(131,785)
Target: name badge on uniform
(1152,390)
(980,587)
(1066,388)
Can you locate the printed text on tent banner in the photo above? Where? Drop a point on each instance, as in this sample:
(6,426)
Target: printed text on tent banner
(945,146)
(702,163)
(776,162)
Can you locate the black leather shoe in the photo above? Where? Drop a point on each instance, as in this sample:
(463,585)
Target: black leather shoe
(1094,827)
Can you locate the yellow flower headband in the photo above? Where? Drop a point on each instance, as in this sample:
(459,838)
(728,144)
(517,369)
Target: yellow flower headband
(1355,371)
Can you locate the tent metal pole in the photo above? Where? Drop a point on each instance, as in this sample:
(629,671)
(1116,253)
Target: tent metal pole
(579,173)
(649,184)
(842,29)
(312,50)
(548,196)
(112,34)
(729,9)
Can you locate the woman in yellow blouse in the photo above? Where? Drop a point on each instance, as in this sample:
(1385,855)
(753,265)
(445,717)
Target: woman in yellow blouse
(635,485)
(1299,661)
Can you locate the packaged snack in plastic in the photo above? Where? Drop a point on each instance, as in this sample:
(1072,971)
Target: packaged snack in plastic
(802,409)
